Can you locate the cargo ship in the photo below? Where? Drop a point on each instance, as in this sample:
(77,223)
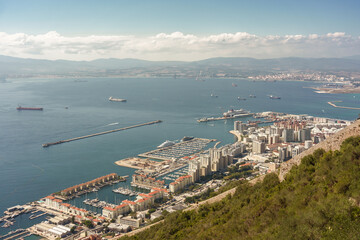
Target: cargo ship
(19,108)
(116,99)
(274,97)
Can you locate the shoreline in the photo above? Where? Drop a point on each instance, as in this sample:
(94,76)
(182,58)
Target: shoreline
(337,90)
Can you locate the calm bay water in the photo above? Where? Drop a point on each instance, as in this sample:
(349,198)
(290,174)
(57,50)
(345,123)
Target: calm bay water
(28,171)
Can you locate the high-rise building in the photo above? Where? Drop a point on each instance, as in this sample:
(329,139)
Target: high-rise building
(258,147)
(308,144)
(194,170)
(288,135)
(305,134)
(239,126)
(283,155)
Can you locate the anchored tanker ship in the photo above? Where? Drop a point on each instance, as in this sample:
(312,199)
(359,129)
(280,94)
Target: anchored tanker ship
(19,108)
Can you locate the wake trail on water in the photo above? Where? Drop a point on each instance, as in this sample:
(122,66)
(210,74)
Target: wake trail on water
(111,124)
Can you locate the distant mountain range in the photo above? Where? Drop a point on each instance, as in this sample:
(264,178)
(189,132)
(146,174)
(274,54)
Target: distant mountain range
(12,66)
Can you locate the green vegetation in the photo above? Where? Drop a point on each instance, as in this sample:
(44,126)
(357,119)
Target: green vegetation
(207,194)
(237,172)
(319,199)
(88,223)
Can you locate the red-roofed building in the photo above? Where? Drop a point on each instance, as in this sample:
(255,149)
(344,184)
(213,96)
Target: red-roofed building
(92,183)
(147,181)
(113,213)
(180,183)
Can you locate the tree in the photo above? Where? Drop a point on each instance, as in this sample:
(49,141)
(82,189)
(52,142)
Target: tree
(88,223)
(151,210)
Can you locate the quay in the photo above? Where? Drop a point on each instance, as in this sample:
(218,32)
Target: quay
(333,104)
(223,118)
(100,133)
(17,235)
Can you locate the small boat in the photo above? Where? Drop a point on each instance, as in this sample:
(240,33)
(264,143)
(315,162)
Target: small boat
(213,95)
(234,84)
(241,98)
(252,96)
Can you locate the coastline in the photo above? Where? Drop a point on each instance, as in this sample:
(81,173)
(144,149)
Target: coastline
(337,90)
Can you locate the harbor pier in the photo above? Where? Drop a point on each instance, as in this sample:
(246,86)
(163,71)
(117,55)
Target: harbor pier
(100,133)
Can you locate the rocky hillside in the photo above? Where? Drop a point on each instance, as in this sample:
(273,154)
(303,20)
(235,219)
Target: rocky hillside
(332,143)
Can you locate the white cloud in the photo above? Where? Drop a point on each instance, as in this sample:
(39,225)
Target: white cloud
(177,46)
(336,34)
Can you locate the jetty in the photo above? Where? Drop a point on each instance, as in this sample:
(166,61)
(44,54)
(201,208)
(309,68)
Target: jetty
(100,133)
(333,104)
(36,216)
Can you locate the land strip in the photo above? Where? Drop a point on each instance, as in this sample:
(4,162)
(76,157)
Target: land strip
(333,104)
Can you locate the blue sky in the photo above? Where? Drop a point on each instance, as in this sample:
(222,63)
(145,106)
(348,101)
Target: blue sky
(144,20)
(197,17)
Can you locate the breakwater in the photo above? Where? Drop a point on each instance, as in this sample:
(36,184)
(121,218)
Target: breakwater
(333,104)
(100,133)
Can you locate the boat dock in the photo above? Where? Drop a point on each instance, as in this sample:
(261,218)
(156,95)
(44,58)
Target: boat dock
(15,234)
(178,150)
(36,216)
(223,118)
(23,233)
(333,104)
(100,133)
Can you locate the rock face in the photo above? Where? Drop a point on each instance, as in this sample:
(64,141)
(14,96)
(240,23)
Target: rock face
(331,143)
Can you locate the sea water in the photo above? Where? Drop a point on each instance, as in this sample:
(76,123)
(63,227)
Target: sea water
(75,108)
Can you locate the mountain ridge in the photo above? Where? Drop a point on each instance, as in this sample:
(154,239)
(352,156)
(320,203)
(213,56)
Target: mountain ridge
(13,66)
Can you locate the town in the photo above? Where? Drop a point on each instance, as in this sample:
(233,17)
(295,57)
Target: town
(195,174)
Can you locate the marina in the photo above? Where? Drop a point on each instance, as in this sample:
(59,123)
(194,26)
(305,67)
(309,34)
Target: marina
(90,186)
(97,203)
(178,150)
(126,191)
(100,133)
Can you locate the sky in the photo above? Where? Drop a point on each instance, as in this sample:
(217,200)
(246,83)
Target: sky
(178,30)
